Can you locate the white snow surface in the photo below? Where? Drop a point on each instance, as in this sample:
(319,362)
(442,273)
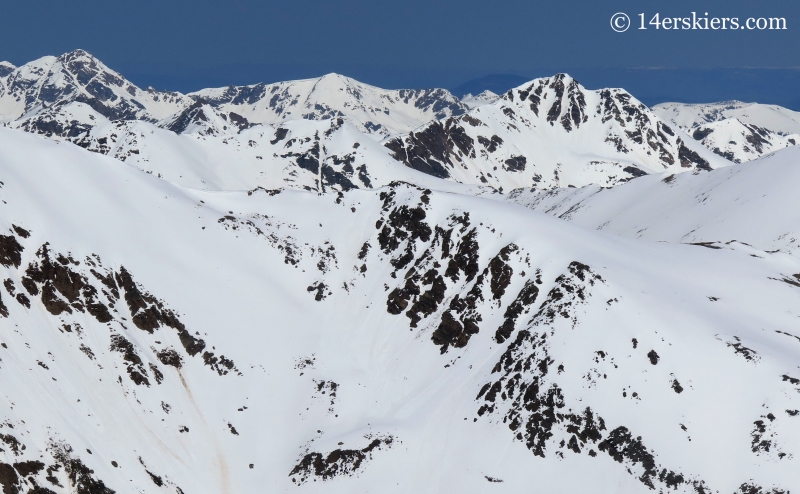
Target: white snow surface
(754,202)
(772,117)
(260,156)
(740,142)
(317,286)
(483,98)
(337,350)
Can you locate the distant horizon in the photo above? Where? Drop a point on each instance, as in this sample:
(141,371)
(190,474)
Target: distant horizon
(651,85)
(186,46)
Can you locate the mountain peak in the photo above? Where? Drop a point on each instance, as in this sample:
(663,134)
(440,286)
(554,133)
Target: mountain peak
(77,53)
(334,79)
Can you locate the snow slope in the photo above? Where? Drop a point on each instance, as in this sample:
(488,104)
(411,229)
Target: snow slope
(739,142)
(156,338)
(302,154)
(754,202)
(483,98)
(738,131)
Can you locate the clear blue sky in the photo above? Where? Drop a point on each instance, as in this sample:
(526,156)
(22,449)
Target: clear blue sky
(187,45)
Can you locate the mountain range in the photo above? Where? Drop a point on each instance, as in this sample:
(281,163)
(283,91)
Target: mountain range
(551,132)
(323,286)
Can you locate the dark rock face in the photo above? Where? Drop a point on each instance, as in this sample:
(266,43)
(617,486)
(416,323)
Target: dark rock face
(330,172)
(574,104)
(135,367)
(535,406)
(287,101)
(516,163)
(701,133)
(26,475)
(526,397)
(170,357)
(688,158)
(52,122)
(240,95)
(49,90)
(280,134)
(28,468)
(756,141)
(634,172)
(337,463)
(749,488)
(192,114)
(8,479)
(81,477)
(6,69)
(431,150)
(445,145)
(88,82)
(439,101)
(10,251)
(66,286)
(200,113)
(442,263)
(525,299)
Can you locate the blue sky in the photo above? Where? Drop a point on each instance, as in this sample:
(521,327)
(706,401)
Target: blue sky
(186,45)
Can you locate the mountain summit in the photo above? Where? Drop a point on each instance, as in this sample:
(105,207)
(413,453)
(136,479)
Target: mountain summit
(374,111)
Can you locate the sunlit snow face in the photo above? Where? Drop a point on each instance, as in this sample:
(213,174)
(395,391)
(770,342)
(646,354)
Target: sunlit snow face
(207,299)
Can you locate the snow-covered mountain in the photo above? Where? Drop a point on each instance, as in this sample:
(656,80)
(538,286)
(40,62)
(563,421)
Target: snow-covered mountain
(773,117)
(374,111)
(301,154)
(156,338)
(35,95)
(553,132)
(752,203)
(740,142)
(46,85)
(185,137)
(548,133)
(737,131)
(483,98)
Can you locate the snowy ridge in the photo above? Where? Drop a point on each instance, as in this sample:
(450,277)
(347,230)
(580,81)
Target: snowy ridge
(372,110)
(553,132)
(740,142)
(750,203)
(76,98)
(747,130)
(163,339)
(302,154)
(772,117)
(579,137)
(484,98)
(51,82)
